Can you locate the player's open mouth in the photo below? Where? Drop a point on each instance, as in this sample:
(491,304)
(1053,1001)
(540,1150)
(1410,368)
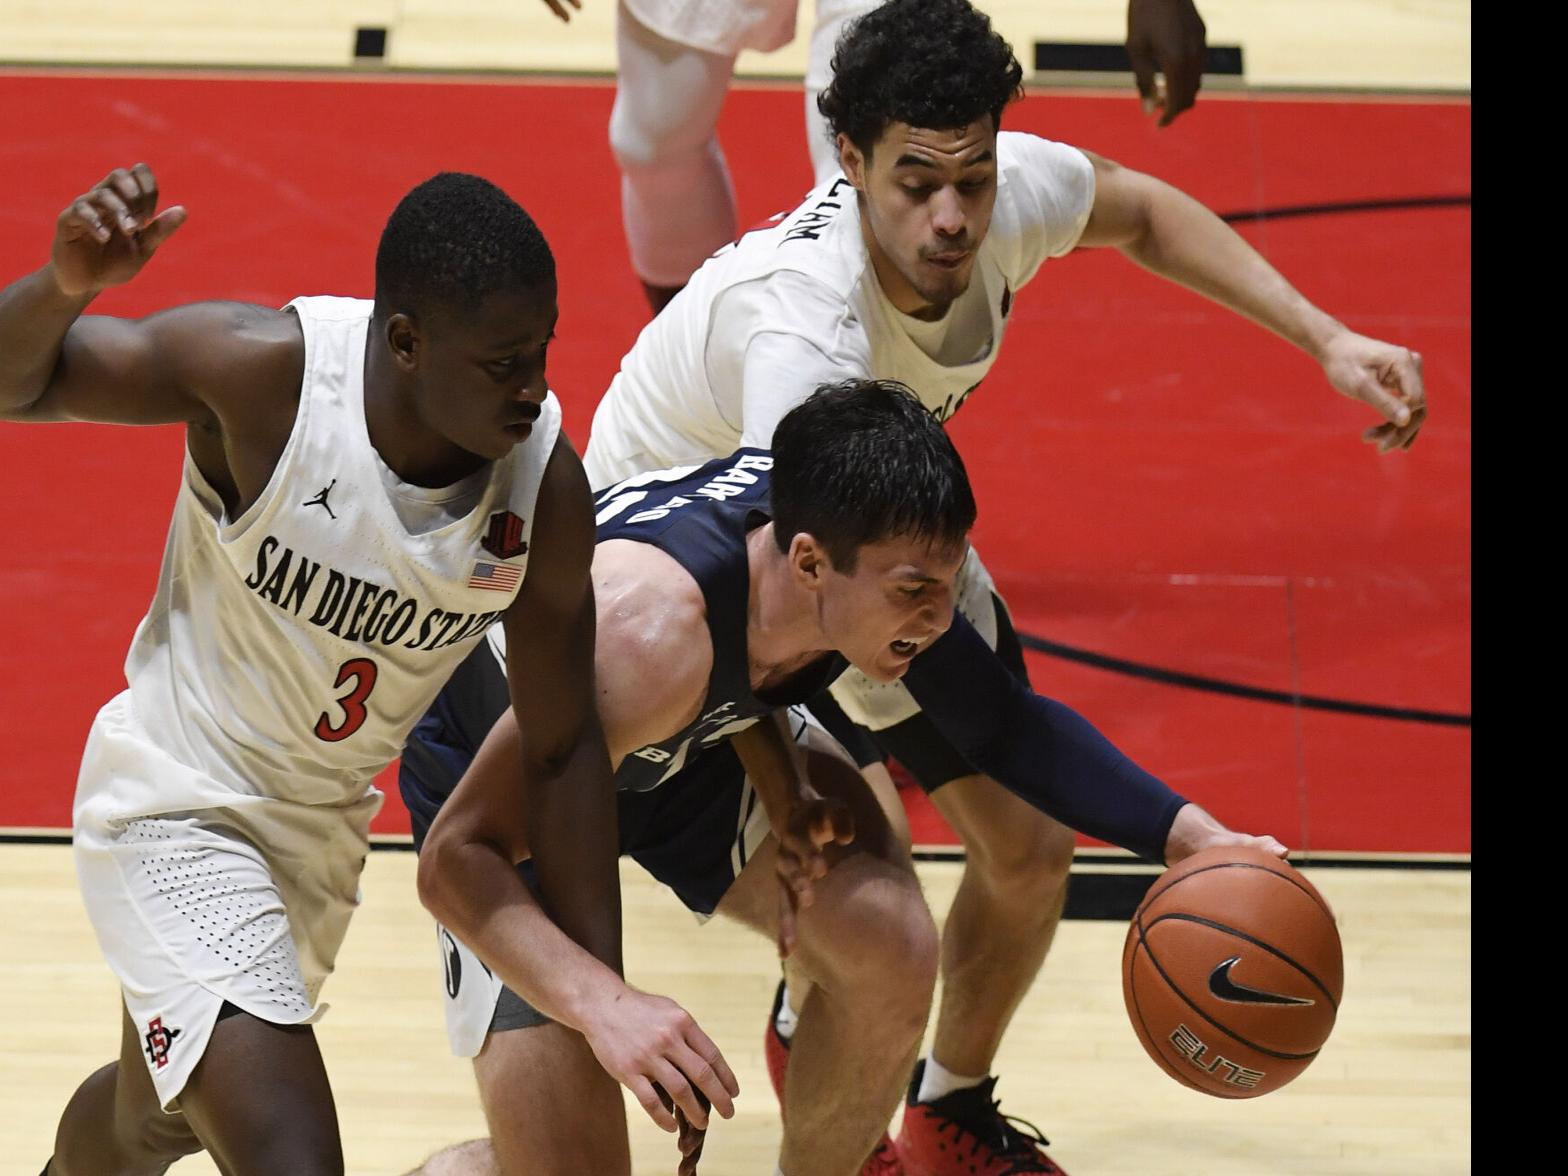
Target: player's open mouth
(905,648)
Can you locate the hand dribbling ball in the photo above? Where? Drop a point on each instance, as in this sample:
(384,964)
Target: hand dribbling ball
(1232,972)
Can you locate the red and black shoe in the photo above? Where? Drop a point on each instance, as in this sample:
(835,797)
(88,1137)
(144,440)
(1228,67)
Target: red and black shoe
(965,1134)
(775,1050)
(884,1160)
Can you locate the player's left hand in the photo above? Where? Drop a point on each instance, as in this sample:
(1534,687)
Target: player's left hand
(1167,36)
(1385,376)
(1194,830)
(813,825)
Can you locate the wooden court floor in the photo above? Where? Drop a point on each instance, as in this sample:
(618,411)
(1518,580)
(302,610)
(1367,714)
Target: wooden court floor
(1389,1096)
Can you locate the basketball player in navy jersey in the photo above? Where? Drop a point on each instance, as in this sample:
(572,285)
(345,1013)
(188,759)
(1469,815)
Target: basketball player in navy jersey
(367,488)
(726,592)
(909,266)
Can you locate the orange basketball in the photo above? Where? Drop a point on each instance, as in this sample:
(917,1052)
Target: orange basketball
(1232,972)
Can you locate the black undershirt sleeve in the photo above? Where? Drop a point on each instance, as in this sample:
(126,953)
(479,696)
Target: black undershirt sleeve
(1039,749)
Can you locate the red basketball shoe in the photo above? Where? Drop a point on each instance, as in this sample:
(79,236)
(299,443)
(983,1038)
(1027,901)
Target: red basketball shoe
(884,1160)
(775,1050)
(965,1134)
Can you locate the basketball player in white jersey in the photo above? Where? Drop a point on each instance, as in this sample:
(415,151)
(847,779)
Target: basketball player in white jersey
(674,61)
(907,267)
(367,487)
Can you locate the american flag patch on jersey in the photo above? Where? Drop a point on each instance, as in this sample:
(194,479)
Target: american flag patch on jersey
(497,577)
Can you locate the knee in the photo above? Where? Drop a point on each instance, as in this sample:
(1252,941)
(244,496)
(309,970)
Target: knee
(1027,859)
(642,143)
(883,928)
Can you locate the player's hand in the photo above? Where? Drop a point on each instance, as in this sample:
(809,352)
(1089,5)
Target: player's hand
(812,826)
(1167,36)
(557,7)
(106,235)
(642,1040)
(1385,376)
(1194,830)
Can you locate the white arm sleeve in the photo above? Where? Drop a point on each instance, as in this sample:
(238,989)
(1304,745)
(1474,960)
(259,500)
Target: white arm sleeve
(771,343)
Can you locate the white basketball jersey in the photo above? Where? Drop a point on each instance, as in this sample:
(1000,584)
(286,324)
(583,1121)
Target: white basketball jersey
(803,289)
(288,652)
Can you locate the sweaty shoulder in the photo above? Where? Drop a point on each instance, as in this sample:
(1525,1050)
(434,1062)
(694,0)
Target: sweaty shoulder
(236,350)
(1045,192)
(654,654)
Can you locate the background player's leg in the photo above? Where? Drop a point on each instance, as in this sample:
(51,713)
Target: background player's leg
(260,1102)
(1002,920)
(869,946)
(677,201)
(113,1125)
(832,16)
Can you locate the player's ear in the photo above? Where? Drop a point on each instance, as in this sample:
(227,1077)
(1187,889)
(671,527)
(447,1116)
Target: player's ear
(853,161)
(807,560)
(403,341)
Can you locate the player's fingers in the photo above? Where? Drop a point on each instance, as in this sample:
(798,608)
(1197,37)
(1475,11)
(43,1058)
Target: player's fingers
(653,1100)
(124,185)
(669,1079)
(82,218)
(1377,434)
(146,185)
(701,1044)
(709,1092)
(1383,399)
(1407,372)
(1183,72)
(560,12)
(1143,67)
(116,212)
(161,228)
(789,902)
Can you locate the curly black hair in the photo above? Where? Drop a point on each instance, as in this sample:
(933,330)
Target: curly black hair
(929,63)
(863,461)
(452,241)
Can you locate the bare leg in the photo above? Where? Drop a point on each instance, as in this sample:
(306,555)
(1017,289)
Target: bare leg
(260,1102)
(677,200)
(1002,920)
(114,1125)
(551,1109)
(869,947)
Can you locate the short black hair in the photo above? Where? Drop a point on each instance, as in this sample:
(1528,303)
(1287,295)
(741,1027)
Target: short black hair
(929,63)
(863,461)
(451,242)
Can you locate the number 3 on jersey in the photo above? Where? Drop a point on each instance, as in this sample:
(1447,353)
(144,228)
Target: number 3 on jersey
(363,671)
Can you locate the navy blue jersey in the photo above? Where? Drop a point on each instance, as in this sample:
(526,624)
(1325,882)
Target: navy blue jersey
(699,516)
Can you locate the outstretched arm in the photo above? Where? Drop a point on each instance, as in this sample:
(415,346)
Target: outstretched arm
(1052,757)
(55,365)
(1170,233)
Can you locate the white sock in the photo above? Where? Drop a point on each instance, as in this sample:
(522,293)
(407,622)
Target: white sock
(787,1019)
(938,1080)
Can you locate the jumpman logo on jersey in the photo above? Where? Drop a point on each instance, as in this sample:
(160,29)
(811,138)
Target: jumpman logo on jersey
(321,499)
